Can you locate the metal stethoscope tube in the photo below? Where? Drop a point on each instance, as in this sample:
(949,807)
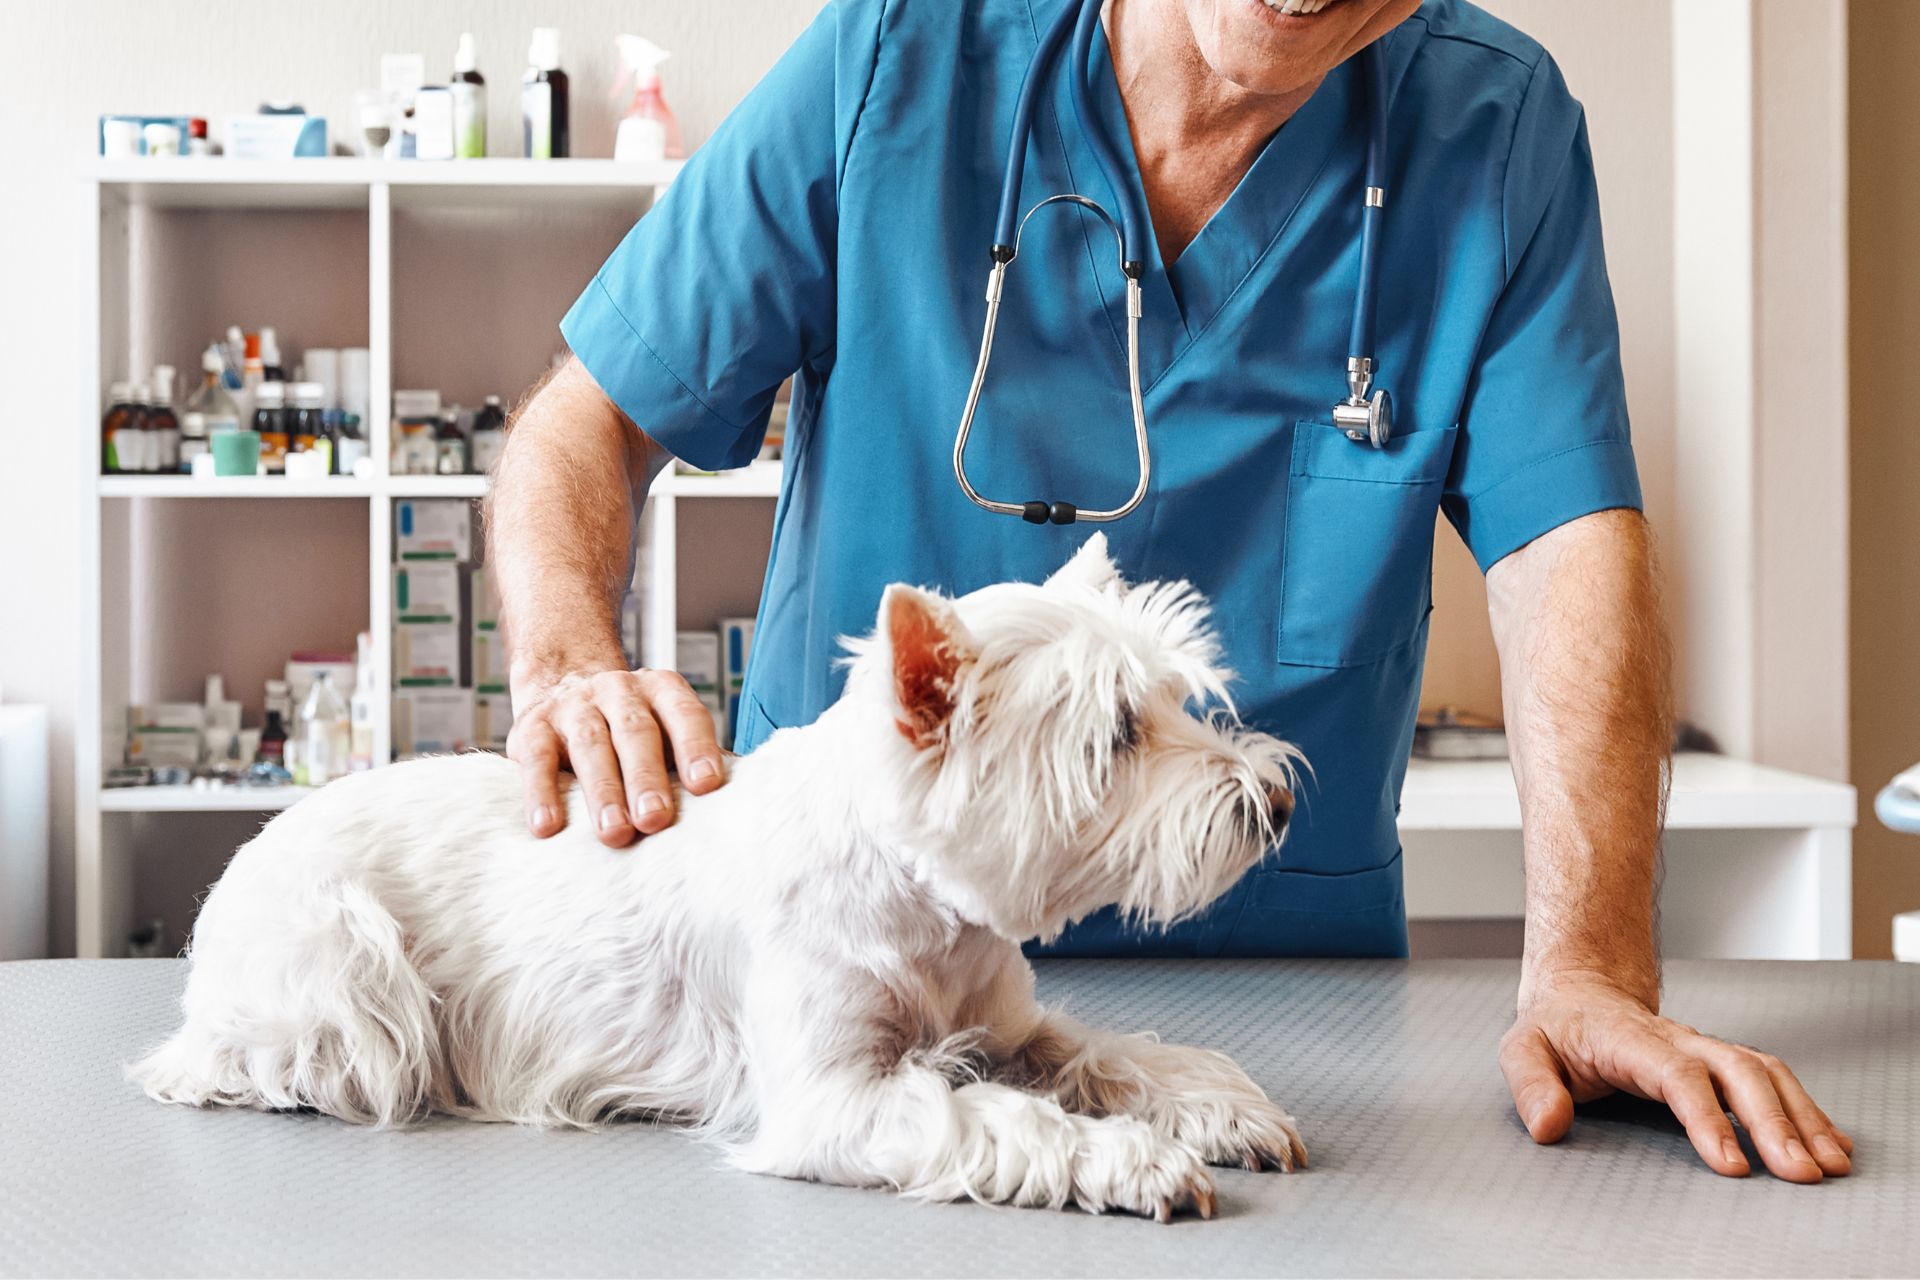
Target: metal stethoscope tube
(1364,418)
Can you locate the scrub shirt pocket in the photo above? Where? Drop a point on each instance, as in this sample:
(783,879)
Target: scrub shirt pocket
(1357,574)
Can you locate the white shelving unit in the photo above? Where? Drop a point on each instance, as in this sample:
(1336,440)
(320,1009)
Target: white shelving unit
(160,290)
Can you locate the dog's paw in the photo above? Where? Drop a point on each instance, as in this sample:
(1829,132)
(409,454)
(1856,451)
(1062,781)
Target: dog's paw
(1127,1166)
(1252,1133)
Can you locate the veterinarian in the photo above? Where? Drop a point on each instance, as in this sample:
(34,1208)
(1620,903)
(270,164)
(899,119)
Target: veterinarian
(837,225)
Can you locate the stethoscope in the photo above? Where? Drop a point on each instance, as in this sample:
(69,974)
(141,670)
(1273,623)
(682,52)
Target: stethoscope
(1367,419)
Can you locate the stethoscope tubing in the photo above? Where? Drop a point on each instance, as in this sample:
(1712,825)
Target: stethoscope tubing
(1361,418)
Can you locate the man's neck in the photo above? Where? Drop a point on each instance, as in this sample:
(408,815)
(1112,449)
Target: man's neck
(1175,101)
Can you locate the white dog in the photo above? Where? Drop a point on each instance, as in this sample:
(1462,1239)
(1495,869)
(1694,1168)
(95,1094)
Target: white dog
(819,964)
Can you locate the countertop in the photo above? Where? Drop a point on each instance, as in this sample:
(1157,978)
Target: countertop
(1419,1166)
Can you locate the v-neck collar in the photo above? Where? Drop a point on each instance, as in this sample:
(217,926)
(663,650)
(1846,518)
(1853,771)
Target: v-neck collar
(1179,303)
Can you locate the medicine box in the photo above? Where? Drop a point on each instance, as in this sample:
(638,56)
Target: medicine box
(492,718)
(486,604)
(432,721)
(426,653)
(736,645)
(275,137)
(489,655)
(426,592)
(433,529)
(698,658)
(165,734)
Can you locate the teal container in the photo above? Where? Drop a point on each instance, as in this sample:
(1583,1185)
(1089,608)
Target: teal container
(235,453)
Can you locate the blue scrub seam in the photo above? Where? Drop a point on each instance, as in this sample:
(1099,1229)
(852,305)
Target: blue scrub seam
(845,158)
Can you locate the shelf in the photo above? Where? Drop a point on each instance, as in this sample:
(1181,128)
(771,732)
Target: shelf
(1709,793)
(343,182)
(758,480)
(191,800)
(434,486)
(234,487)
(755,480)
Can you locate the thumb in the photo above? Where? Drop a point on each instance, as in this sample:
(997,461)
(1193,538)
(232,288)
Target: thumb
(1533,1078)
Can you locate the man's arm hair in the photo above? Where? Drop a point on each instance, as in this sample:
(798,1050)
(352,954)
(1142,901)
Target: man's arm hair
(1586,683)
(560,518)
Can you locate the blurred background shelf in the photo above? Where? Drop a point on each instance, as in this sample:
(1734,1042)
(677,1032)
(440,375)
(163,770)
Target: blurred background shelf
(194,800)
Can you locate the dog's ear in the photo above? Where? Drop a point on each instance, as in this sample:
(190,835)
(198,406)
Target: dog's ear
(930,648)
(1090,566)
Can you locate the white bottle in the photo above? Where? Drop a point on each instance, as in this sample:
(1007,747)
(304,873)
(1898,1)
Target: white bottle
(365,691)
(544,132)
(469,103)
(327,732)
(166,424)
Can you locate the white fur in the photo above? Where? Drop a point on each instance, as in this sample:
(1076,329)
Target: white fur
(818,964)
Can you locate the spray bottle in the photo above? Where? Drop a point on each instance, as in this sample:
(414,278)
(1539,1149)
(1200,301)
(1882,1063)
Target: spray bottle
(648,130)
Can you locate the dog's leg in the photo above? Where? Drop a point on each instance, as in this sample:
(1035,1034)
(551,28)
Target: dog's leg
(1197,1097)
(909,1128)
(841,1096)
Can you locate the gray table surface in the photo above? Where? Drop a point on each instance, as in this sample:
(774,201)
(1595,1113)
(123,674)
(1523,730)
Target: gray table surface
(1418,1164)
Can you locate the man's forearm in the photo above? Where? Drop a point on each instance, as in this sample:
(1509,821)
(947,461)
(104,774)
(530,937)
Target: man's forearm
(1585,678)
(560,522)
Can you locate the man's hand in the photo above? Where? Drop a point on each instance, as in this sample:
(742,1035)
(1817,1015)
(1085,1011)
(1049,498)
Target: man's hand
(561,513)
(607,728)
(1579,1040)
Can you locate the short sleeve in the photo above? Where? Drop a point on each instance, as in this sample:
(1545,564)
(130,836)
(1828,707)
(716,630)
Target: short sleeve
(1543,435)
(726,286)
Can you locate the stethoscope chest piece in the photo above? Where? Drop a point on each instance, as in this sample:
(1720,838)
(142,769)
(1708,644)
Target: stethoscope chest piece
(1365,419)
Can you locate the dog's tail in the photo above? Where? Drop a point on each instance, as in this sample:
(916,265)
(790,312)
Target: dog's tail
(332,1017)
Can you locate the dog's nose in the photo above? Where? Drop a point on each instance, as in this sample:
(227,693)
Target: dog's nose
(1280,805)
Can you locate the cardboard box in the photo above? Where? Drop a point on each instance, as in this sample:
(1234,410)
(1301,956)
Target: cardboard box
(489,655)
(165,734)
(433,529)
(432,722)
(492,718)
(697,655)
(736,646)
(486,602)
(281,137)
(426,592)
(426,653)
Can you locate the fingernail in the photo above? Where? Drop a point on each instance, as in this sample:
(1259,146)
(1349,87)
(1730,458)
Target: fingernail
(542,818)
(1830,1151)
(1731,1153)
(612,816)
(1797,1152)
(703,769)
(652,803)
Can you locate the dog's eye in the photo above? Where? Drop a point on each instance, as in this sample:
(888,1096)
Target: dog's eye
(1127,735)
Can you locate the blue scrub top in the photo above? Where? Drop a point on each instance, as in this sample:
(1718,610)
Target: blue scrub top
(837,225)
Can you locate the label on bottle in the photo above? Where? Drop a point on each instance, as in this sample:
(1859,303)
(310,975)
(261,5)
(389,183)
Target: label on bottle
(130,450)
(360,753)
(469,121)
(536,115)
(487,446)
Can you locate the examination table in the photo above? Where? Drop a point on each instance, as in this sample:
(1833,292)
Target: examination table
(1418,1164)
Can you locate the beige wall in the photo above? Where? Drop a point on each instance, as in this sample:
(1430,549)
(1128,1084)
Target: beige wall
(1885,377)
(1618,60)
